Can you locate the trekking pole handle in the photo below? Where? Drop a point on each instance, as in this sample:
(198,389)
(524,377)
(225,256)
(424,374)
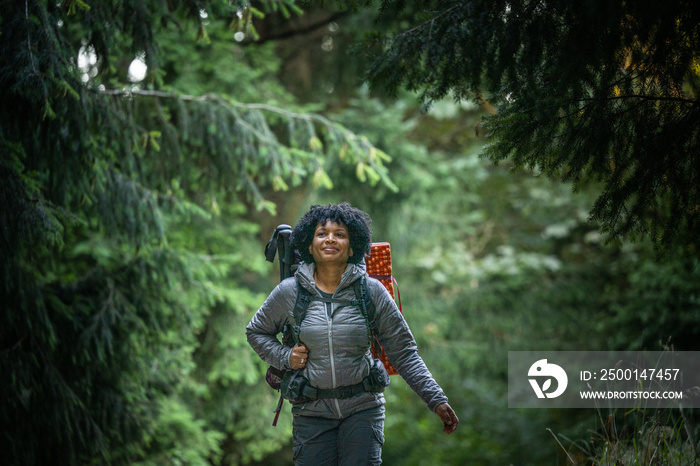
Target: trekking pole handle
(284,229)
(285,250)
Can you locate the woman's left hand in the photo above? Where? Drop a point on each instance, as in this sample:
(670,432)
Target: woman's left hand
(448,417)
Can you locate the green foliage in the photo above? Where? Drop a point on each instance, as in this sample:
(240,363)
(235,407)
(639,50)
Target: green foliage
(127,245)
(638,437)
(132,215)
(658,307)
(176,428)
(490,260)
(621,109)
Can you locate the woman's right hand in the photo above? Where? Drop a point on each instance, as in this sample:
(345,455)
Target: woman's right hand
(299,356)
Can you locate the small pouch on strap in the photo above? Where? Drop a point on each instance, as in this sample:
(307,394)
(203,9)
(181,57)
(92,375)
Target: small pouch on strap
(378,376)
(292,386)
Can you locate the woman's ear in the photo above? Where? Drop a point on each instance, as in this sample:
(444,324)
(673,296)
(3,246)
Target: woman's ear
(351,253)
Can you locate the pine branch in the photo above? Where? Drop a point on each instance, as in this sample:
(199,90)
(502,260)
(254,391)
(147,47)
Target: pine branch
(431,22)
(640,97)
(296,155)
(218,99)
(29,37)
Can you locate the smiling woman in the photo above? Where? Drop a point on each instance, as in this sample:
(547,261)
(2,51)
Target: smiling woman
(338,408)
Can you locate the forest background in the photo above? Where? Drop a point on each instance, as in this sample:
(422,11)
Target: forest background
(150,148)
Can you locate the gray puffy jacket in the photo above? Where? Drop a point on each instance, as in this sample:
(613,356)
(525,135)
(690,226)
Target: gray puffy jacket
(339,353)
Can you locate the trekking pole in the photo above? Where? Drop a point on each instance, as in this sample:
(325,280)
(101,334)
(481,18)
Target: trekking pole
(280,241)
(285,250)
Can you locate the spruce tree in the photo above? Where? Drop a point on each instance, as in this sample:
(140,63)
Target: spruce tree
(123,207)
(590,91)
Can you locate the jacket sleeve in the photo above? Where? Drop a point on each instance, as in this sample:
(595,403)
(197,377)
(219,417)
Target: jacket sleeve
(400,346)
(269,321)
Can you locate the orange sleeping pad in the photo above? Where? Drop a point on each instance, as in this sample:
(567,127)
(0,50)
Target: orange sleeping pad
(378,264)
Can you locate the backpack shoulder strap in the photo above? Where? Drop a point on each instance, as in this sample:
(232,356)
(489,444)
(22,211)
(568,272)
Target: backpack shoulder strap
(300,306)
(364,298)
(369,302)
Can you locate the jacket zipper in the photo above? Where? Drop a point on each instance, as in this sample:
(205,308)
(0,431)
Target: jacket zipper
(332,360)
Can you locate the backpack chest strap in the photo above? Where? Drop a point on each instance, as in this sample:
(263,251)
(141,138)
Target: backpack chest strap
(343,302)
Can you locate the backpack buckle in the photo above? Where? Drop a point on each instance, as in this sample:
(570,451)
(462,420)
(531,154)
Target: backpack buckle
(345,392)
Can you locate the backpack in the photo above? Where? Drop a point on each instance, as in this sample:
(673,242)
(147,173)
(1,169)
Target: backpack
(378,266)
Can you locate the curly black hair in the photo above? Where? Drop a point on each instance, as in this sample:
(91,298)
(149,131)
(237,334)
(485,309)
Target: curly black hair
(358,223)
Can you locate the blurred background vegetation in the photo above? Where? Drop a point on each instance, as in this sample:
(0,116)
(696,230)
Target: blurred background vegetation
(150,148)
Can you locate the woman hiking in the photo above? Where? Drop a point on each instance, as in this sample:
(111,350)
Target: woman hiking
(338,416)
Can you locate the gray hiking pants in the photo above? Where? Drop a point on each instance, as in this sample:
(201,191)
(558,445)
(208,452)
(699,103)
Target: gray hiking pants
(356,440)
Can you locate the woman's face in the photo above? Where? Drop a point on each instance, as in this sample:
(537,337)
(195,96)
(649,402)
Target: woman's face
(331,243)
